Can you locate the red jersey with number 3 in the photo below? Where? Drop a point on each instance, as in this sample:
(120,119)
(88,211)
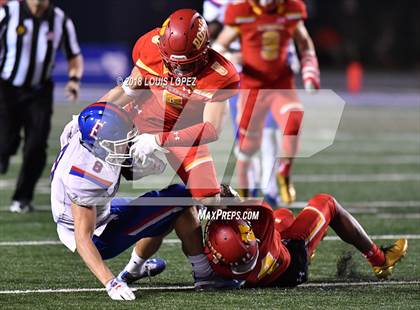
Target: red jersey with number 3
(178,103)
(264,39)
(273,259)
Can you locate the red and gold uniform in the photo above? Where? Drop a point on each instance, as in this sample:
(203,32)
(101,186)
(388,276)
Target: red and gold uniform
(265,38)
(176,104)
(274,257)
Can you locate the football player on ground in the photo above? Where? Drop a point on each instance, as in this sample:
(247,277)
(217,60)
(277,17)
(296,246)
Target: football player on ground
(180,119)
(274,250)
(84,180)
(265,28)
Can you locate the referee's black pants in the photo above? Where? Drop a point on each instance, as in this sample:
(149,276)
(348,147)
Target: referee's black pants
(29,109)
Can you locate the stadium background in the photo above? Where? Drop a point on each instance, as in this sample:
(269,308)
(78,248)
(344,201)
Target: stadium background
(373,167)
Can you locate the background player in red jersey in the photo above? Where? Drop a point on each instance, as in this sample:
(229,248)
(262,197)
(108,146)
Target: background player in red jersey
(265,28)
(179,118)
(264,252)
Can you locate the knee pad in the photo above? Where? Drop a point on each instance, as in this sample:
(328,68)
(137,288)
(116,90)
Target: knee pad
(242,156)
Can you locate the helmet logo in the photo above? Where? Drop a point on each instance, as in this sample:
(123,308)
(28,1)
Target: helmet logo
(95,129)
(201,34)
(247,234)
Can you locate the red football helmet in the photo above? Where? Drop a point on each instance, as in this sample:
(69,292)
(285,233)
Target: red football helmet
(232,243)
(184,42)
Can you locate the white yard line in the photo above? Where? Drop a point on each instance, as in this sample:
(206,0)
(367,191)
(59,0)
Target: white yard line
(44,184)
(183,288)
(355,206)
(377,177)
(176,241)
(396,216)
(330,160)
(366,204)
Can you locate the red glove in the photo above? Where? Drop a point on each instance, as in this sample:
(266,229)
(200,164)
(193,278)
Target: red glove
(310,71)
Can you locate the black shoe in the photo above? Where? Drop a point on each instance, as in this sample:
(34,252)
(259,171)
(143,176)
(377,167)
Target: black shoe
(4,164)
(21,207)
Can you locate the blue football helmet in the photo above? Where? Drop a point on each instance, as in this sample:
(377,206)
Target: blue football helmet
(107,131)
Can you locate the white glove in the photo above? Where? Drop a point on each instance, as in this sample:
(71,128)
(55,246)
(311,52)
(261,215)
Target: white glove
(153,165)
(144,145)
(118,290)
(69,130)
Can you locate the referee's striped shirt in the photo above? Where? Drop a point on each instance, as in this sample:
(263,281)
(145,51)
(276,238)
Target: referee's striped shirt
(28,45)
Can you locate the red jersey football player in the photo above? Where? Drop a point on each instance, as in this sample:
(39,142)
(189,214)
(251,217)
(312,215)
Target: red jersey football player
(265,28)
(265,252)
(190,83)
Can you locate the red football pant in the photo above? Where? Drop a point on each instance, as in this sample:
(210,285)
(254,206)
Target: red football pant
(253,108)
(312,222)
(195,167)
(283,219)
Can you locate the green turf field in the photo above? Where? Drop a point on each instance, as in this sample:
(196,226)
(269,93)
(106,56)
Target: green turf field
(373,168)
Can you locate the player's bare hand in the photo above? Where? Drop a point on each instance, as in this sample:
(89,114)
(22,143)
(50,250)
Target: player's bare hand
(72,91)
(236,58)
(119,290)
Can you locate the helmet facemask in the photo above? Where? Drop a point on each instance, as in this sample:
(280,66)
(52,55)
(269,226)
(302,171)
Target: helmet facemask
(186,67)
(118,151)
(245,267)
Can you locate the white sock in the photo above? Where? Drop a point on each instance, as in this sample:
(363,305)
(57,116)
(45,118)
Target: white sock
(200,265)
(269,161)
(135,263)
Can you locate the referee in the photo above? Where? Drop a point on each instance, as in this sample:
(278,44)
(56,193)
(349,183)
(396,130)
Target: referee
(31,31)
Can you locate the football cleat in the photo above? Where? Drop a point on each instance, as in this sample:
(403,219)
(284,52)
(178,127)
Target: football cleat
(393,255)
(214,282)
(21,207)
(286,189)
(151,267)
(243,192)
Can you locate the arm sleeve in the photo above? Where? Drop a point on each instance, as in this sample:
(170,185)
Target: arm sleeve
(195,135)
(70,44)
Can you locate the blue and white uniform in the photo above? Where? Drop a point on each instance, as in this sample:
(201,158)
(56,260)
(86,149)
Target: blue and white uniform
(78,177)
